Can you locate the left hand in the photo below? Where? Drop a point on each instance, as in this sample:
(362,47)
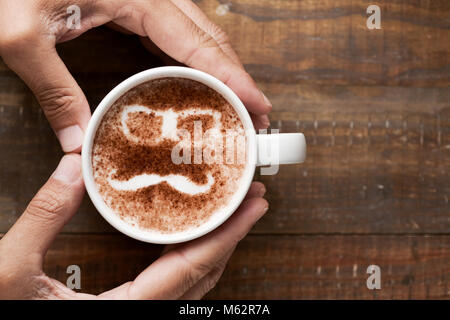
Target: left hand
(186,271)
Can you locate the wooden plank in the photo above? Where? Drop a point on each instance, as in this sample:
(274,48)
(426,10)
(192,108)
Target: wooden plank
(374,106)
(277,267)
(335,267)
(328,42)
(309,42)
(106,261)
(378,159)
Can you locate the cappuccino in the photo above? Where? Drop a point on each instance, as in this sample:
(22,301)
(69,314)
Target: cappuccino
(168,154)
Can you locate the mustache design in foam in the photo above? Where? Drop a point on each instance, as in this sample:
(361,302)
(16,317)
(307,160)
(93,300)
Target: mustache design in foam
(176,181)
(169,131)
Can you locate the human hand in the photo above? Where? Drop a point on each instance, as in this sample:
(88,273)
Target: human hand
(29,31)
(187,271)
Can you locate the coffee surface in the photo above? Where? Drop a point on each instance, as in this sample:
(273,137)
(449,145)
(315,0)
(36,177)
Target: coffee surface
(133,154)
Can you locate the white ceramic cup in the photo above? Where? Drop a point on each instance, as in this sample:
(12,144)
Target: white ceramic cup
(262,150)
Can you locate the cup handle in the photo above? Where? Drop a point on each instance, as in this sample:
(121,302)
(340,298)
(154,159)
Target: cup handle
(280,148)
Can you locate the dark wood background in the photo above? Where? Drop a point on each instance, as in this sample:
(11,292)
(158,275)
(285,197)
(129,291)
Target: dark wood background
(374,106)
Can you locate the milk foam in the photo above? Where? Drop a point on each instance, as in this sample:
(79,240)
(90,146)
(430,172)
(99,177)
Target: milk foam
(169,131)
(133,164)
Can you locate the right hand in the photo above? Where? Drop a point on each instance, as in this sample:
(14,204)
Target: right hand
(29,31)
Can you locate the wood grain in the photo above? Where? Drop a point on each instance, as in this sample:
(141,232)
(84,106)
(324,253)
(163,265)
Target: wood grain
(327,41)
(310,42)
(378,156)
(374,106)
(378,160)
(277,267)
(335,267)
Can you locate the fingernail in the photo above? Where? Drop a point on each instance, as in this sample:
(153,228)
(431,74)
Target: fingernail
(71,138)
(266,101)
(265,120)
(262,191)
(265,209)
(68,170)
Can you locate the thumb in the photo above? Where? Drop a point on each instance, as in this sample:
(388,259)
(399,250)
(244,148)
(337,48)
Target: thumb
(60,97)
(51,208)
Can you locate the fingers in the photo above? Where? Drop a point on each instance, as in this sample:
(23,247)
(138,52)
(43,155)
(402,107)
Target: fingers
(182,39)
(260,121)
(180,269)
(51,208)
(256,190)
(60,97)
(204,285)
(191,10)
(208,282)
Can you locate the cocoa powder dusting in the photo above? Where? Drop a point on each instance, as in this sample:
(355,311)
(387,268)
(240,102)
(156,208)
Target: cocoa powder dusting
(144,150)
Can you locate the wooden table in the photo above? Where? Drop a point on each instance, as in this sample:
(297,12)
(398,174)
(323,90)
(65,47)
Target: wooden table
(374,106)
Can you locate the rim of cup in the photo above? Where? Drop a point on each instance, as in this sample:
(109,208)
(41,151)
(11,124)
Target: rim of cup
(217,218)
